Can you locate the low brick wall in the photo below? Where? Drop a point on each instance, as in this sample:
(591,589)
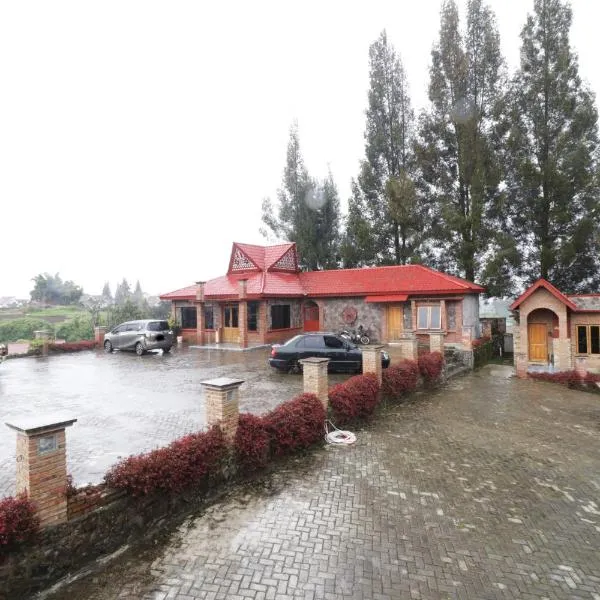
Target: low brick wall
(102,521)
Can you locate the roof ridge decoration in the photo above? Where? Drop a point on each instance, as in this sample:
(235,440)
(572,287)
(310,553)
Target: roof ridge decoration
(240,261)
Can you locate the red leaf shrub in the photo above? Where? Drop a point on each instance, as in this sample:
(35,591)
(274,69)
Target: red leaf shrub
(400,378)
(480,341)
(18,521)
(295,424)
(72,346)
(182,463)
(252,442)
(430,366)
(354,399)
(569,378)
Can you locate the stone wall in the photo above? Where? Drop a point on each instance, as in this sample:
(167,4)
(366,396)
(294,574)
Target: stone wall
(370,316)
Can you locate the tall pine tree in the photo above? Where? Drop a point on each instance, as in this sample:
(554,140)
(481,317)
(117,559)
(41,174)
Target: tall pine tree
(374,233)
(457,153)
(306,212)
(552,155)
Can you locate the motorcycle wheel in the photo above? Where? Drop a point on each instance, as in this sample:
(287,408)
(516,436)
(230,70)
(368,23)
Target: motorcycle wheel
(365,339)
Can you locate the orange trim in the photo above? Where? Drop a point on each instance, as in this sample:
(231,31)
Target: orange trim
(542,283)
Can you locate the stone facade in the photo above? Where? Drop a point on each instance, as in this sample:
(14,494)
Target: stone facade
(369,315)
(436,342)
(409,346)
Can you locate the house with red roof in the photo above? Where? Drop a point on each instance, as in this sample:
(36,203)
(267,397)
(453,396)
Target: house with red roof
(556,331)
(264,298)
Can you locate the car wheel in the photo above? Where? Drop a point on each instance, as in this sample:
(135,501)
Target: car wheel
(139,349)
(108,346)
(167,350)
(295,367)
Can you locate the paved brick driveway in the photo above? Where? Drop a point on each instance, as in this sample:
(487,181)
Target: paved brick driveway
(488,488)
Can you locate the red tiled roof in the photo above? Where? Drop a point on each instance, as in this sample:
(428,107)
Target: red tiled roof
(542,283)
(400,280)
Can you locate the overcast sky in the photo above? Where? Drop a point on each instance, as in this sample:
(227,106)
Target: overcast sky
(138,139)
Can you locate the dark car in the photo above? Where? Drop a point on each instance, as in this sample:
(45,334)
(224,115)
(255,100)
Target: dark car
(343,355)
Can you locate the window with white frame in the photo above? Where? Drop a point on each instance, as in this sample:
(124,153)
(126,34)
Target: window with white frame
(429,317)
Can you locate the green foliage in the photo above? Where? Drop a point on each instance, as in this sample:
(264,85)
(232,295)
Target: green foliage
(457,150)
(307,212)
(551,140)
(52,289)
(128,311)
(123,292)
(79,328)
(23,329)
(381,228)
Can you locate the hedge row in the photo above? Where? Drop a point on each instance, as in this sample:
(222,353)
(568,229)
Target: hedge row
(293,425)
(430,366)
(568,378)
(354,399)
(186,461)
(17,521)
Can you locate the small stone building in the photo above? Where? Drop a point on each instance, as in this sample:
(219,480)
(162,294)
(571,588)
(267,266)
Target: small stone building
(556,331)
(264,298)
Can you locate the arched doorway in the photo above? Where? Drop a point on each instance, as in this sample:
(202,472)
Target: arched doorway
(542,327)
(311,316)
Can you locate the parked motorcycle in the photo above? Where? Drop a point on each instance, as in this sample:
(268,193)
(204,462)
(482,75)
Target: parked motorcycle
(356,336)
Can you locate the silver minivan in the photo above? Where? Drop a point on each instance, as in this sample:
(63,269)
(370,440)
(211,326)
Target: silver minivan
(140,336)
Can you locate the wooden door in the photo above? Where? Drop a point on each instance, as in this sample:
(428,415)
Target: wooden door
(395,316)
(538,342)
(311,317)
(231,331)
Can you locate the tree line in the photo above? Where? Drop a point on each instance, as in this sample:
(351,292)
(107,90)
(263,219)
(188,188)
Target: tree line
(496,180)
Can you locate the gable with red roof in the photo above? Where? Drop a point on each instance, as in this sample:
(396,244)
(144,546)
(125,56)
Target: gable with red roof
(278,300)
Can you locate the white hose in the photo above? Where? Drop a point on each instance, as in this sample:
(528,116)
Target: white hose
(338,436)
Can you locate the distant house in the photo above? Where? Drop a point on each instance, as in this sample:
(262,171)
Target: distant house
(556,331)
(264,298)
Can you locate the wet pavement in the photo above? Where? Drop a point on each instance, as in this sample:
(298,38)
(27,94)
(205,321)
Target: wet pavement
(126,404)
(486,488)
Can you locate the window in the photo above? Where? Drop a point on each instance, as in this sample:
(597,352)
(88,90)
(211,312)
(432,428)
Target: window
(134,327)
(429,317)
(252,316)
(230,315)
(188,317)
(314,341)
(333,342)
(158,326)
(280,316)
(588,339)
(209,317)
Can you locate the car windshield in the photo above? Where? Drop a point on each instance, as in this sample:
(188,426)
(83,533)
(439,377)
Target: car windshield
(158,326)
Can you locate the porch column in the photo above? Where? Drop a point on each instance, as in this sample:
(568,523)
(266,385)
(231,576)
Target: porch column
(315,378)
(321,306)
(42,467)
(200,321)
(413,314)
(262,321)
(243,314)
(372,361)
(561,346)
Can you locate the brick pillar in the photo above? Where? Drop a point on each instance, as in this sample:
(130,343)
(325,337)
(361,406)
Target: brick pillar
(371,360)
(99,332)
(222,404)
(45,336)
(436,342)
(409,346)
(42,467)
(561,350)
(315,378)
(262,321)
